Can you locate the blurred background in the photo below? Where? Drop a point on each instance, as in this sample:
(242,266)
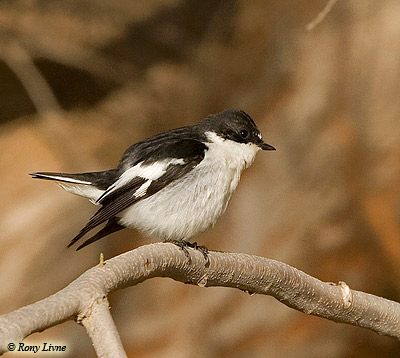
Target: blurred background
(80,81)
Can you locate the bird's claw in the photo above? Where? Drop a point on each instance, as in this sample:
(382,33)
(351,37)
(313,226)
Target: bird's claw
(185,244)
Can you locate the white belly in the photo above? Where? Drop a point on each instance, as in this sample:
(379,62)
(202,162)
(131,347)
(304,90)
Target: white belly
(167,215)
(193,203)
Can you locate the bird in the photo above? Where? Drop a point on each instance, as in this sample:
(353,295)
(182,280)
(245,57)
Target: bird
(172,186)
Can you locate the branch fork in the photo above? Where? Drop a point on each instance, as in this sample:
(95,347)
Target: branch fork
(85,299)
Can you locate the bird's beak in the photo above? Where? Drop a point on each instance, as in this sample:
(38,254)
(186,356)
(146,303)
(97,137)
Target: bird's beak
(265,146)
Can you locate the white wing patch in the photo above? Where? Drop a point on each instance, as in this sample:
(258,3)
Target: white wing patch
(151,172)
(143,189)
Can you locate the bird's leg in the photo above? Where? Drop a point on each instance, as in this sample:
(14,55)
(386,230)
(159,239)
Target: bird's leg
(183,244)
(203,249)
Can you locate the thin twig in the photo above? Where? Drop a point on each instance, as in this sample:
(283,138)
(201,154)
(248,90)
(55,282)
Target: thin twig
(321,16)
(39,91)
(20,61)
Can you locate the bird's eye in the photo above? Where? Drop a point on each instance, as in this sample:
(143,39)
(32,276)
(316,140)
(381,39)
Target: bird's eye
(244,134)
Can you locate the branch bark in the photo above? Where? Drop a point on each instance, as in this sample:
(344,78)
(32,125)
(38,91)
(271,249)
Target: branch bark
(102,331)
(84,300)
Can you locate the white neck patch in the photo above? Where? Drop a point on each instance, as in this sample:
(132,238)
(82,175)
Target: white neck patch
(232,151)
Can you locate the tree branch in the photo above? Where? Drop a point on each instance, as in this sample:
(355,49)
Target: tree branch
(101,329)
(85,298)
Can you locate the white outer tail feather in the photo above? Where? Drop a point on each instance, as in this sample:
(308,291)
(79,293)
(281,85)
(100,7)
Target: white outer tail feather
(63,179)
(75,186)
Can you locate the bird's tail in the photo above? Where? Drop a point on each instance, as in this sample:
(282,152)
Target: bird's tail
(89,185)
(64,177)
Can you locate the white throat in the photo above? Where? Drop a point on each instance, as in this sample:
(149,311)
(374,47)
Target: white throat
(236,155)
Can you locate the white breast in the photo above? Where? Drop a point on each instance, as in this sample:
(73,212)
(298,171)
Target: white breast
(193,203)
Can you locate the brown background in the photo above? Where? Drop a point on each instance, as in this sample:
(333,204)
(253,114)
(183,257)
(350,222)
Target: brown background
(80,81)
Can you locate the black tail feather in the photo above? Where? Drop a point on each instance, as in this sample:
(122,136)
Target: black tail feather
(101,180)
(111,226)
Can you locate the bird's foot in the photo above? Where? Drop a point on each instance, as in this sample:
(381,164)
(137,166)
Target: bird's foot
(183,244)
(203,249)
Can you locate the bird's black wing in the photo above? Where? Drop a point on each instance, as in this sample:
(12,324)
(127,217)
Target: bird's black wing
(165,164)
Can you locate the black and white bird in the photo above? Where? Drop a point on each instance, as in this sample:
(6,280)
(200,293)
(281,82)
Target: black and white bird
(172,186)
